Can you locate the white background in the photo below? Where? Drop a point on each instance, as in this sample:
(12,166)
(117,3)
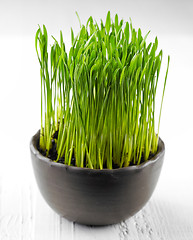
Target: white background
(171,21)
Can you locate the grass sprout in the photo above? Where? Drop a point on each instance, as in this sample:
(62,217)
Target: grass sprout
(98,99)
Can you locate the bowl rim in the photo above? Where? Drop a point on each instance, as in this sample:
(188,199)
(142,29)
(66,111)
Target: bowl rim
(154,159)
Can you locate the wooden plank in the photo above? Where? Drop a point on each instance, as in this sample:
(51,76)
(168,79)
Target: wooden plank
(10,217)
(46,222)
(171,219)
(15,209)
(158,220)
(66,229)
(27,211)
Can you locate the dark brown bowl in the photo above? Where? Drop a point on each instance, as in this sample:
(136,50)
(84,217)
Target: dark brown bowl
(95,197)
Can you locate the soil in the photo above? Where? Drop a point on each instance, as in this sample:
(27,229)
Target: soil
(53,155)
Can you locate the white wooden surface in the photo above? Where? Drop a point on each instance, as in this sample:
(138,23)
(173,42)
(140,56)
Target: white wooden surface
(24,215)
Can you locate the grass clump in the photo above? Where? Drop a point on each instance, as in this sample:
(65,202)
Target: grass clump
(98,100)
